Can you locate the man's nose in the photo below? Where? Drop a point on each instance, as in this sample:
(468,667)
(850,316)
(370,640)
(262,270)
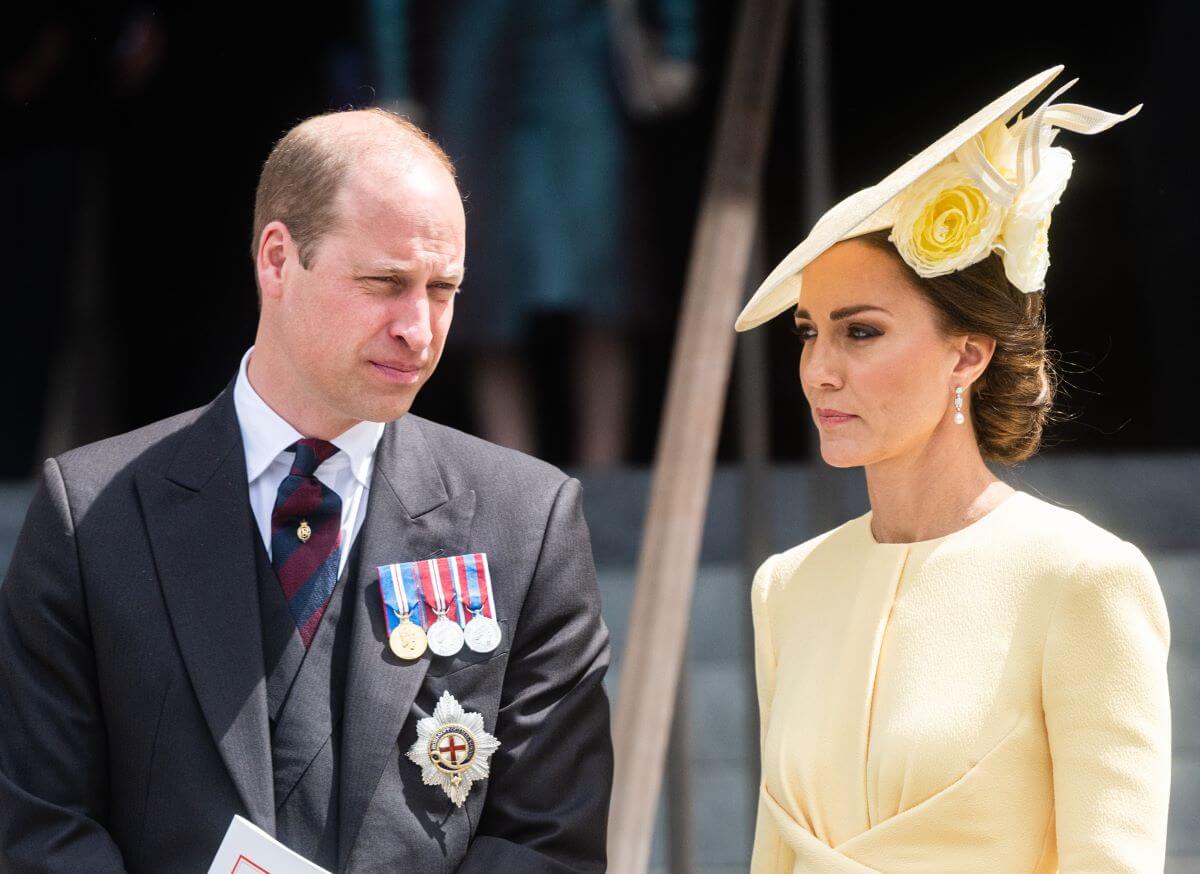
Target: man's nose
(411,322)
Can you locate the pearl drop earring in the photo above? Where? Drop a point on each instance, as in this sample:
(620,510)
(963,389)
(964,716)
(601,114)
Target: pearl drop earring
(959,418)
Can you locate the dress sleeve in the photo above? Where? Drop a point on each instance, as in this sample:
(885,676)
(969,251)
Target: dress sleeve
(764,645)
(1108,719)
(770,855)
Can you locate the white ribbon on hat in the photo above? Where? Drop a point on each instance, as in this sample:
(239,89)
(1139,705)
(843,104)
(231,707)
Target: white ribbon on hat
(990,180)
(1036,131)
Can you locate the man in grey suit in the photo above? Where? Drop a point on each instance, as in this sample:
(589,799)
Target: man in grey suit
(191,626)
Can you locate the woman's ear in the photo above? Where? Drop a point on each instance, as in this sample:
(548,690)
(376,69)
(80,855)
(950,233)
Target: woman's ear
(974,354)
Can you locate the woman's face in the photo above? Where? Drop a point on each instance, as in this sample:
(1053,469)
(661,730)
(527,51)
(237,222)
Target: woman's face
(876,368)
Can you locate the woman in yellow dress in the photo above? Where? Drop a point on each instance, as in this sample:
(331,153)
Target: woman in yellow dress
(967,678)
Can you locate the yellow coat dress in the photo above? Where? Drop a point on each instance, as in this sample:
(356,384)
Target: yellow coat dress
(994,700)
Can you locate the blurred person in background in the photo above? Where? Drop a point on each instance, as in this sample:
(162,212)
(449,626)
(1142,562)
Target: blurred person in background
(63,69)
(532,100)
(993,667)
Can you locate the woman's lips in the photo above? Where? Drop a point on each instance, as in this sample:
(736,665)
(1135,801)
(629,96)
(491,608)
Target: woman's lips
(401,374)
(833,417)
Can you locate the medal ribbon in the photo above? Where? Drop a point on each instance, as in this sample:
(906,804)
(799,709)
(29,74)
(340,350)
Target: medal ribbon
(432,585)
(447,579)
(400,597)
(474,569)
(412,591)
(437,590)
(456,577)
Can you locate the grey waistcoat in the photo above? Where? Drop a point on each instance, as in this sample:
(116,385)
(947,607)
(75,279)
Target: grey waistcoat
(305,691)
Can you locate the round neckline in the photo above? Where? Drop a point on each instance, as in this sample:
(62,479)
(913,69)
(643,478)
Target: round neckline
(934,540)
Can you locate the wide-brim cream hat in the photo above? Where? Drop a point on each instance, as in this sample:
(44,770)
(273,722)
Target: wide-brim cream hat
(983,187)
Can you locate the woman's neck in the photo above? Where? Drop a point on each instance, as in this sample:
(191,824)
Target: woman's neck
(931,493)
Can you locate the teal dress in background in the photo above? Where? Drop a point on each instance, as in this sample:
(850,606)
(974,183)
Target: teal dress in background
(522,95)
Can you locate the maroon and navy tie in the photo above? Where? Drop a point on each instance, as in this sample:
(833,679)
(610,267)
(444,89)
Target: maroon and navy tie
(306,536)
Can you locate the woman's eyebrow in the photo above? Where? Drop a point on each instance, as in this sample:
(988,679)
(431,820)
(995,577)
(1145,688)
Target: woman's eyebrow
(844,312)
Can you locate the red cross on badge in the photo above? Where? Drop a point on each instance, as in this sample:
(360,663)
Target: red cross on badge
(450,747)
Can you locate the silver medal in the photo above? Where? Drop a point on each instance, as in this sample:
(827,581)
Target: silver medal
(445,637)
(483,633)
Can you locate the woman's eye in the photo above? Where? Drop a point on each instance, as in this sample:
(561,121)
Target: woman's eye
(804,332)
(863,332)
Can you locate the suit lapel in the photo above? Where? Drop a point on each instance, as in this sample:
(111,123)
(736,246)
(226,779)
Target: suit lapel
(410,516)
(198,517)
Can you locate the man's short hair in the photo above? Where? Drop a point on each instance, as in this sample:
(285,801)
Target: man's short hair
(303,174)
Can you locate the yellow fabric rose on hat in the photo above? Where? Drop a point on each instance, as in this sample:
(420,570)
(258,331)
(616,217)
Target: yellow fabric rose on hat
(945,222)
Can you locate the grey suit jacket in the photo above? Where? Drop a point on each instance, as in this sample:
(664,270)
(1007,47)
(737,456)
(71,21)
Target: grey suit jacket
(133,716)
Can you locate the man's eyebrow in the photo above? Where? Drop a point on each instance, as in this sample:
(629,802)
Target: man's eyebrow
(844,312)
(396,268)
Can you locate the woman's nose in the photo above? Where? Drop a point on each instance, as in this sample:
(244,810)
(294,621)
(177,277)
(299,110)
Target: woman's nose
(819,367)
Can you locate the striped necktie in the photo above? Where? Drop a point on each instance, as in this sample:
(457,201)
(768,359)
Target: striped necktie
(306,536)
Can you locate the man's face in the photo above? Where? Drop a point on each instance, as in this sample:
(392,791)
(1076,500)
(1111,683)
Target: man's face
(364,325)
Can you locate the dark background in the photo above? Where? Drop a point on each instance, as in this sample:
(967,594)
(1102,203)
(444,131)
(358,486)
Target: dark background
(131,136)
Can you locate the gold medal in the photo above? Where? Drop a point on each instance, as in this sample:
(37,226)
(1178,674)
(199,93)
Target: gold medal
(304,531)
(407,640)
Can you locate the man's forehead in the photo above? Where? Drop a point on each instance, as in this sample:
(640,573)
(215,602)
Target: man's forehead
(385,174)
(415,203)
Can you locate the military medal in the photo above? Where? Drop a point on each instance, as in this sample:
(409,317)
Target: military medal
(452,749)
(482,633)
(445,634)
(406,638)
(428,603)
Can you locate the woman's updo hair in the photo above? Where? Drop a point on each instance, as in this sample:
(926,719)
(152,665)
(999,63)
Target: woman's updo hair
(1013,400)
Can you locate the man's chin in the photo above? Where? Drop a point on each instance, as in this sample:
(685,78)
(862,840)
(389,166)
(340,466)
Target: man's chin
(372,402)
(388,408)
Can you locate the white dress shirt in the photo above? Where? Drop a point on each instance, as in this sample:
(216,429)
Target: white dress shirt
(266,438)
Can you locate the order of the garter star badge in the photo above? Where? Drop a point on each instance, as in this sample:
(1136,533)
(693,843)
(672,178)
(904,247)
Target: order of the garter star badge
(452,749)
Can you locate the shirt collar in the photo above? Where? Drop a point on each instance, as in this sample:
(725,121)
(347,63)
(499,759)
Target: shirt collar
(266,435)
(358,443)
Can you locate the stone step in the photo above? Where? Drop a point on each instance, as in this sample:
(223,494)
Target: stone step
(14,498)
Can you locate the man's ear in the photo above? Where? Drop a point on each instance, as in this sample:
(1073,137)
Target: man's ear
(276,251)
(974,354)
